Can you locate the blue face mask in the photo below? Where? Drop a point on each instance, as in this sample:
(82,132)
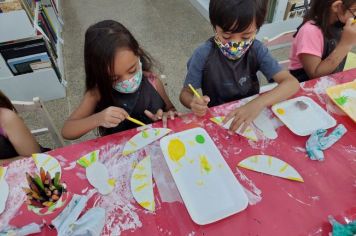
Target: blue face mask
(234,50)
(131,85)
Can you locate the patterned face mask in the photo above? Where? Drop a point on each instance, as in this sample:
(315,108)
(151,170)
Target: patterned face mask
(234,50)
(131,85)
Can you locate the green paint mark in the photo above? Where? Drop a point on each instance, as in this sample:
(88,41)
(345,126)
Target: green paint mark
(341,100)
(145,134)
(84,162)
(157,132)
(93,157)
(200,139)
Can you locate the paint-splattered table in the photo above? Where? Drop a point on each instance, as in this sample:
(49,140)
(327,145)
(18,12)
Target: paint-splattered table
(277,206)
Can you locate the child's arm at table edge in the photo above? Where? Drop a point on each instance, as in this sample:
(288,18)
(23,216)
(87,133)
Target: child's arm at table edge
(288,85)
(83,119)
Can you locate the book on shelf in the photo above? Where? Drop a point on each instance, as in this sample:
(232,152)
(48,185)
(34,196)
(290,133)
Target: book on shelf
(295,8)
(27,55)
(21,65)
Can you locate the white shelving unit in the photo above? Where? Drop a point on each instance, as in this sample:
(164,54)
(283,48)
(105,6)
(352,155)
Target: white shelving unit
(268,30)
(42,83)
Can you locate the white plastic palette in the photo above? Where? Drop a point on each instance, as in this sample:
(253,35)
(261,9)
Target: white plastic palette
(303,122)
(206,183)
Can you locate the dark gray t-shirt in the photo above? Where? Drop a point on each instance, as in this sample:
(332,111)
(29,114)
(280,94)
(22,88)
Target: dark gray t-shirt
(266,63)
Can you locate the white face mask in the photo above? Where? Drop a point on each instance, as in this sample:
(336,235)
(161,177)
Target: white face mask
(131,85)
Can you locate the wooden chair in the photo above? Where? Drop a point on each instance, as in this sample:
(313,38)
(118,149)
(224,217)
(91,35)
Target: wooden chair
(38,106)
(283,40)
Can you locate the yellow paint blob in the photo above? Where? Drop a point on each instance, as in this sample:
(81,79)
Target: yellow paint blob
(112,182)
(200,182)
(283,168)
(281,111)
(269,161)
(191,143)
(204,164)
(140,176)
(2,170)
(254,159)
(134,164)
(45,162)
(176,150)
(141,187)
(146,204)
(295,179)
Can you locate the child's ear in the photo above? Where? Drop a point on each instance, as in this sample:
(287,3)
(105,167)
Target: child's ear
(337,6)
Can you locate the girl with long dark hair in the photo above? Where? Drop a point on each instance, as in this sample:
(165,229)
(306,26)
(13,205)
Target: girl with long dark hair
(322,42)
(119,83)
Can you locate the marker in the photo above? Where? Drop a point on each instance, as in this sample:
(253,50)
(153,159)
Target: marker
(135,121)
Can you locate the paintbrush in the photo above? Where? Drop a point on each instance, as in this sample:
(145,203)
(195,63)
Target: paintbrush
(194,91)
(137,122)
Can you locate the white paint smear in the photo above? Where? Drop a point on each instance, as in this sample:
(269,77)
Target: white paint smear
(320,88)
(165,184)
(120,212)
(16,179)
(253,193)
(70,166)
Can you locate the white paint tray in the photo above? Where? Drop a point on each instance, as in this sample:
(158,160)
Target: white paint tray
(208,187)
(303,122)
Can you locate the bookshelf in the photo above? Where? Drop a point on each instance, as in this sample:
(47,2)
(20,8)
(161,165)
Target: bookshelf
(277,21)
(31,56)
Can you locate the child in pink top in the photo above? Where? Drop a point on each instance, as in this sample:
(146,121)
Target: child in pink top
(15,138)
(323,40)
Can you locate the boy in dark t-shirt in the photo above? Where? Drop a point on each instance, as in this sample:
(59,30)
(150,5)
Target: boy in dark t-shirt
(225,66)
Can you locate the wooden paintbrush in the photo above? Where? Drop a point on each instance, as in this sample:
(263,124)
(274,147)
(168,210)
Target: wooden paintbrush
(137,122)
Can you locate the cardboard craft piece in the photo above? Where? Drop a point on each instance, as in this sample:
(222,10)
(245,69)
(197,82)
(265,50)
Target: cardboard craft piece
(271,166)
(97,173)
(143,139)
(263,123)
(141,184)
(48,163)
(249,133)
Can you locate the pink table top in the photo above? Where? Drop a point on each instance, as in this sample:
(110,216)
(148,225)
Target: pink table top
(277,206)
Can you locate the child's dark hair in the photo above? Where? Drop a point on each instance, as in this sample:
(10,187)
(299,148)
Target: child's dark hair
(237,15)
(5,102)
(319,12)
(102,40)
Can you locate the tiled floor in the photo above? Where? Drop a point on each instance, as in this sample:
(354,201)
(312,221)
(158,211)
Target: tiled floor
(169,30)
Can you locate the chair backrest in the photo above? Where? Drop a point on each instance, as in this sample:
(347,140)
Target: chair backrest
(38,106)
(283,40)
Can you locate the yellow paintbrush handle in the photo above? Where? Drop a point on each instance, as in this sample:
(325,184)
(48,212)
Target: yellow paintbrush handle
(194,91)
(135,121)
